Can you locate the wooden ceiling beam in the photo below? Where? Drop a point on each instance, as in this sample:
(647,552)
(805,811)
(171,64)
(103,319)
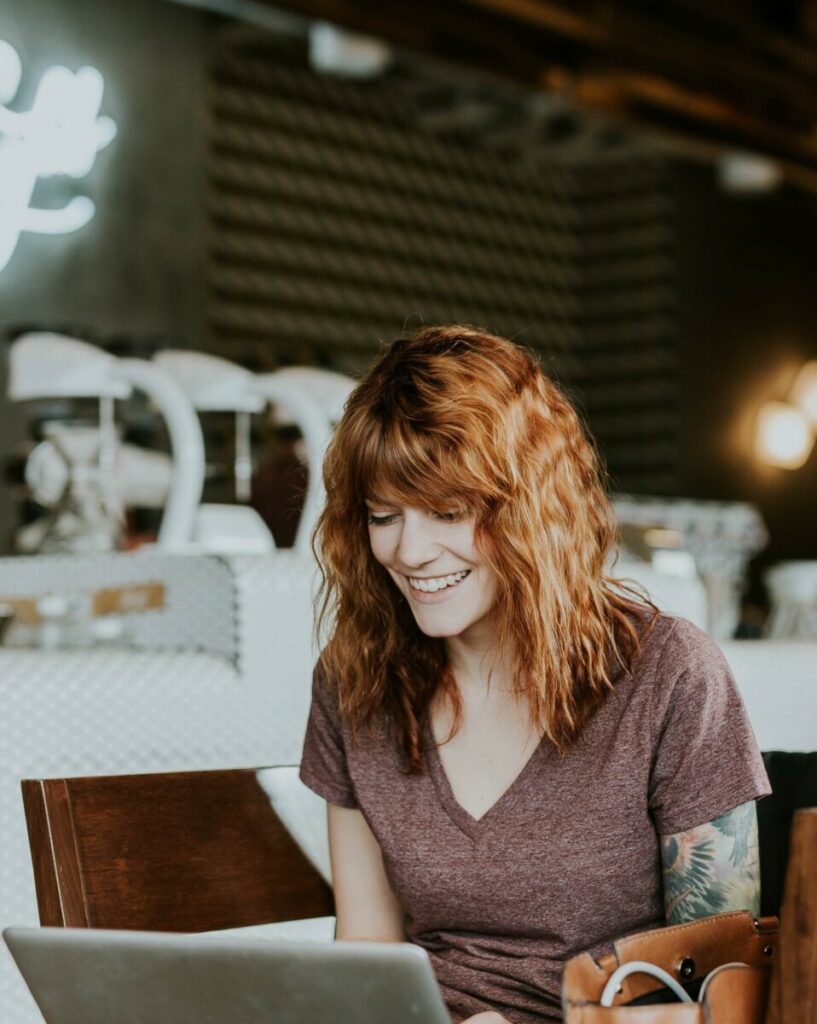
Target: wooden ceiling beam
(658,43)
(633,91)
(737,81)
(552,17)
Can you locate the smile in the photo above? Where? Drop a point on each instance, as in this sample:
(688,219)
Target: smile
(435,583)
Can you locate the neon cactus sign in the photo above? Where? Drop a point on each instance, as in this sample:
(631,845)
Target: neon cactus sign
(60,135)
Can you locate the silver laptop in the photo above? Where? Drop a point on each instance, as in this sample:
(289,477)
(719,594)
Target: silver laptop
(92,976)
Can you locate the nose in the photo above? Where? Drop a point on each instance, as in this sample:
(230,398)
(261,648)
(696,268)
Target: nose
(417,544)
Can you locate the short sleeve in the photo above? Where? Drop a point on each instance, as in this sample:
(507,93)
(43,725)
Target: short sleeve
(706,760)
(323,764)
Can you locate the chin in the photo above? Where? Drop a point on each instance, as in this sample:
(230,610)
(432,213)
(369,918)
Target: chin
(439,629)
(432,628)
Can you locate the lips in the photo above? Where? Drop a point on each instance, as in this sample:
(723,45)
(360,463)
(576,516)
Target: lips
(441,593)
(431,584)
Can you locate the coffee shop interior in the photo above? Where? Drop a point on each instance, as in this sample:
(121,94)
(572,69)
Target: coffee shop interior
(213,213)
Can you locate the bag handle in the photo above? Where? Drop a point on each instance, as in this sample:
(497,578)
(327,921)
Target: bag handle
(613,986)
(684,951)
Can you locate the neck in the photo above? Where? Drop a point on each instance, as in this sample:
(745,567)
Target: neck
(479,670)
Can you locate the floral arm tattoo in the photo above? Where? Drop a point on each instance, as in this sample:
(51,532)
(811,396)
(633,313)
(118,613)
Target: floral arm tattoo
(712,868)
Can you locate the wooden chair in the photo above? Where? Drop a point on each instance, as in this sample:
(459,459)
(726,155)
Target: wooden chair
(793,996)
(184,851)
(793,777)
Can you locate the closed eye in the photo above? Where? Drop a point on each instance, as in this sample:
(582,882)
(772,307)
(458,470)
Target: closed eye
(385,518)
(381,520)
(453,516)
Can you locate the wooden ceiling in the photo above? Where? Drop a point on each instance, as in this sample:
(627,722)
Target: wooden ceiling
(703,75)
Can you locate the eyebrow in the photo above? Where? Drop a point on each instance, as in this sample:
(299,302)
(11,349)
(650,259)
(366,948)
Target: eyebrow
(375,500)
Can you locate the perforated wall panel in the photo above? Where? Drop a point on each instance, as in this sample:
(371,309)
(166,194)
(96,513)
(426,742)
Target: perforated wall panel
(338,219)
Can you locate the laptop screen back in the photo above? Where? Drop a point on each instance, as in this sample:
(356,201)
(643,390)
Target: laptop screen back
(92,976)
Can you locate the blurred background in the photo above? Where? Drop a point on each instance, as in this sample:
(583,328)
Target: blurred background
(212,215)
(628,190)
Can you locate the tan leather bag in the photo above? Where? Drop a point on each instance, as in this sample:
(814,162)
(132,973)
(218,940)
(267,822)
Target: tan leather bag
(688,953)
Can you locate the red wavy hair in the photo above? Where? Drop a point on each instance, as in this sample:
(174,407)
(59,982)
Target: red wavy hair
(456,417)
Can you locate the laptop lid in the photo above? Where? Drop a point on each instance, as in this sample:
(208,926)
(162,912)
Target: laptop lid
(94,976)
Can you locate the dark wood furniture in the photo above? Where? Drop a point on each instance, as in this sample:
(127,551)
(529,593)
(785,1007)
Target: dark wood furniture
(182,851)
(793,997)
(793,777)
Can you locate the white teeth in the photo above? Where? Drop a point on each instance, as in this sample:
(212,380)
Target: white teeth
(439,583)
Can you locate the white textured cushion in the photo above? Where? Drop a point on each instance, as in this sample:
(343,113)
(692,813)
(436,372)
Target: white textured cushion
(778,682)
(678,595)
(312,929)
(302,812)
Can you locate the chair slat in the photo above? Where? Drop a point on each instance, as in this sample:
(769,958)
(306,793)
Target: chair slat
(793,997)
(182,851)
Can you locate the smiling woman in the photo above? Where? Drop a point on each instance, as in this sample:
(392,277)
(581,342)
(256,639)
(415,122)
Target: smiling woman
(522,758)
(435,563)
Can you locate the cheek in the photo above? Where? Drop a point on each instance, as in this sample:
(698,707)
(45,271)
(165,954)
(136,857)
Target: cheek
(379,545)
(490,586)
(471,547)
(493,588)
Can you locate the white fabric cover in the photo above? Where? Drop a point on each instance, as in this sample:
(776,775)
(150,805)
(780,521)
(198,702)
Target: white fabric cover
(302,812)
(778,682)
(678,595)
(219,678)
(311,929)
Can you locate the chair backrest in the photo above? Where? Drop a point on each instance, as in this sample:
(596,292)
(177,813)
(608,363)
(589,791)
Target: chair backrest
(793,777)
(182,851)
(793,996)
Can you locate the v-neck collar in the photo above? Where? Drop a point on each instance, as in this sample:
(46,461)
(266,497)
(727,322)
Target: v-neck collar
(466,822)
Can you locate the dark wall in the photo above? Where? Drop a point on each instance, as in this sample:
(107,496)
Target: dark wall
(747,321)
(137,268)
(342,215)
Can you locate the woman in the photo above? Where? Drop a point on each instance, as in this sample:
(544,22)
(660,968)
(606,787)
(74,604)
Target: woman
(521,759)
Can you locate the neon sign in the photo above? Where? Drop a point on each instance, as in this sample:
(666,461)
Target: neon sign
(60,135)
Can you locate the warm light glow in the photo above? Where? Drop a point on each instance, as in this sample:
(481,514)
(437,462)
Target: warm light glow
(660,537)
(748,173)
(804,391)
(783,437)
(60,135)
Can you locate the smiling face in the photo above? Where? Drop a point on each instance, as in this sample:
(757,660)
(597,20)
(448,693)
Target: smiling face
(435,563)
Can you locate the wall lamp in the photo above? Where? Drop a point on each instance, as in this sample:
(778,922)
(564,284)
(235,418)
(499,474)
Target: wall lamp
(785,431)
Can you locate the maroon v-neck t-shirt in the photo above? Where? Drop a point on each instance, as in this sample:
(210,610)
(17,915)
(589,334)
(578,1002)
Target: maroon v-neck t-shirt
(568,858)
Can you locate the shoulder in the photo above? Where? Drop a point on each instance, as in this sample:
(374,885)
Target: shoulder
(334,709)
(706,759)
(326,702)
(680,665)
(324,684)
(674,645)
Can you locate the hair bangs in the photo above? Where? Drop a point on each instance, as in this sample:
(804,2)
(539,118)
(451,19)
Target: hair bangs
(397,463)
